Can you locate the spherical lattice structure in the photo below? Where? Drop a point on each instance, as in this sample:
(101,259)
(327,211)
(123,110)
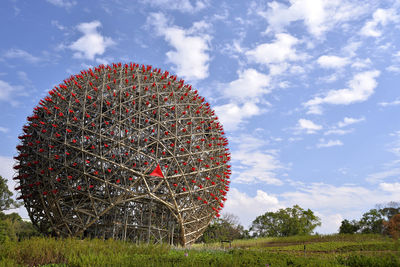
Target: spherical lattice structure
(126,152)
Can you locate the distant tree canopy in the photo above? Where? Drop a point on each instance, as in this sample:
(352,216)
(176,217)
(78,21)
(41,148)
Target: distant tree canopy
(349,227)
(392,227)
(374,221)
(285,222)
(12,227)
(6,201)
(226,227)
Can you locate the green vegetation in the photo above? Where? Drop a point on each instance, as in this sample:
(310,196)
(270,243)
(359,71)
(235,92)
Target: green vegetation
(281,238)
(321,250)
(285,222)
(375,221)
(6,202)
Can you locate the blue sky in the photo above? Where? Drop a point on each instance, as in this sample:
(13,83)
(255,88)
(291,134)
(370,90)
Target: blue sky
(307,90)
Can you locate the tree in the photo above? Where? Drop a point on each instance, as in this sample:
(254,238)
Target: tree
(225,228)
(285,222)
(372,222)
(6,201)
(12,227)
(348,227)
(389,210)
(392,227)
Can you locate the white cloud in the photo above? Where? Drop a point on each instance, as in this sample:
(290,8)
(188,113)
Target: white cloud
(382,175)
(394,147)
(338,132)
(361,87)
(331,199)
(190,57)
(330,223)
(6,169)
(328,143)
(8,92)
(255,164)
(332,62)
(390,187)
(232,115)
(393,68)
(180,5)
(330,202)
(381,17)
(62,3)
(243,104)
(58,25)
(335,130)
(21,54)
(361,64)
(348,121)
(247,207)
(281,50)
(393,103)
(308,126)
(318,16)
(92,43)
(4,129)
(254,82)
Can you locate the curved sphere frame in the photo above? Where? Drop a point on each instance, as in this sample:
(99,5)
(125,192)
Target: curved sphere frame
(123,151)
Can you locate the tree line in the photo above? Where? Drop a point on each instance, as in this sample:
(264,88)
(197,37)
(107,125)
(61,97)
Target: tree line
(384,219)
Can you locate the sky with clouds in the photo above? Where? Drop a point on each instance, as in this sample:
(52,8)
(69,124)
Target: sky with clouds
(307,90)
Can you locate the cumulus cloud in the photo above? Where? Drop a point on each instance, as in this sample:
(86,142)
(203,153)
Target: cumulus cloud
(232,115)
(318,16)
(361,87)
(244,95)
(380,18)
(248,207)
(9,92)
(308,126)
(92,43)
(185,6)
(329,143)
(62,3)
(191,55)
(21,54)
(278,51)
(332,62)
(250,84)
(254,162)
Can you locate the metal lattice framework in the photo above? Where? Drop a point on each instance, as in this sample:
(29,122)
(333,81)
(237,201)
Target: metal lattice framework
(125,152)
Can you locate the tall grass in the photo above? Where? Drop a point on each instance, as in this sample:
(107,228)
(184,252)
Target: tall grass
(350,250)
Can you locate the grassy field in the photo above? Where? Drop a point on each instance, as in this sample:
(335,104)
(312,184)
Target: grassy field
(330,250)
